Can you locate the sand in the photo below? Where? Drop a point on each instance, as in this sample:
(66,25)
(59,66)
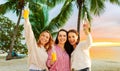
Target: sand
(103,65)
(108,60)
(13,65)
(21,65)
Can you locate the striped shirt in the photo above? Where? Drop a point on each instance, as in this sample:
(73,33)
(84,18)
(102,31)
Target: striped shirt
(62,63)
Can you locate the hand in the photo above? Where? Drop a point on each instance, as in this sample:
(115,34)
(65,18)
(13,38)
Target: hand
(86,28)
(54,58)
(52,62)
(26,13)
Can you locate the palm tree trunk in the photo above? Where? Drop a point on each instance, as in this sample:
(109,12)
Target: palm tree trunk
(9,56)
(78,22)
(80,2)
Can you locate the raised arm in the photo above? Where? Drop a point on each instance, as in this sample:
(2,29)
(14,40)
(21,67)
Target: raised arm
(88,41)
(29,36)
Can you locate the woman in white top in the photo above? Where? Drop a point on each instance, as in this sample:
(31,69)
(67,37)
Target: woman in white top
(37,51)
(80,59)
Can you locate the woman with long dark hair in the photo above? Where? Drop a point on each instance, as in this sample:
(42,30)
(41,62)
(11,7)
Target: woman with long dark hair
(62,61)
(80,59)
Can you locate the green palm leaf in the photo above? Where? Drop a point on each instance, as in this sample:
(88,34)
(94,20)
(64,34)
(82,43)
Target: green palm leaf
(115,1)
(97,6)
(61,18)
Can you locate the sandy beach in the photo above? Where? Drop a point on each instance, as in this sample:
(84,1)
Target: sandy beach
(13,65)
(105,58)
(100,62)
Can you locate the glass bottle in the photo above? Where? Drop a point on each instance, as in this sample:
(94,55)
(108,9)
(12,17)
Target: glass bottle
(54,57)
(26,11)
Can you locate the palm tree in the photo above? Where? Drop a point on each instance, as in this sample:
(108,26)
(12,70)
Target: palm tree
(39,20)
(16,6)
(85,6)
(62,17)
(39,17)
(6,30)
(95,7)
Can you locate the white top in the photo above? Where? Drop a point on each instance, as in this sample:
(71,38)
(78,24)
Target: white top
(37,56)
(80,58)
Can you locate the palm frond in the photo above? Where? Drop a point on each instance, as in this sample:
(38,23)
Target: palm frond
(6,7)
(62,17)
(97,6)
(53,3)
(49,3)
(86,10)
(115,2)
(11,5)
(38,17)
(39,14)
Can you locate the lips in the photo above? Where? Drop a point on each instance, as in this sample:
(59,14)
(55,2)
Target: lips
(72,42)
(43,40)
(62,40)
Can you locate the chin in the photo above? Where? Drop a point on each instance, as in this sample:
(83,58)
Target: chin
(72,44)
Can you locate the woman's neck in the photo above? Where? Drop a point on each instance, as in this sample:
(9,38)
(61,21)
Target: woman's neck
(74,46)
(40,45)
(61,46)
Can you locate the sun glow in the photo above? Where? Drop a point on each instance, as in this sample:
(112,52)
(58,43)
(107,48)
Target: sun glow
(106,44)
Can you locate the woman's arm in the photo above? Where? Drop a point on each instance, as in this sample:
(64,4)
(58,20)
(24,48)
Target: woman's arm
(51,59)
(29,36)
(88,41)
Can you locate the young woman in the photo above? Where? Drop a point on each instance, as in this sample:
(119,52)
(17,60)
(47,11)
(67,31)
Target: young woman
(80,59)
(37,51)
(62,62)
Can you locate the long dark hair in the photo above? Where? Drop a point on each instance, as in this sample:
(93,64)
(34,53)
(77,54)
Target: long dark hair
(68,47)
(71,48)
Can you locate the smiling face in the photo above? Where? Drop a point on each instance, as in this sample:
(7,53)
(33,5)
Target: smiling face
(44,38)
(62,37)
(72,38)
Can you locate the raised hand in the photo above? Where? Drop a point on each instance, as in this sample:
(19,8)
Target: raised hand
(54,58)
(86,24)
(26,12)
(86,27)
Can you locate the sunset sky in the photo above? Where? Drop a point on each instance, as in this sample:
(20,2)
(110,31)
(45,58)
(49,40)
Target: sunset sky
(105,27)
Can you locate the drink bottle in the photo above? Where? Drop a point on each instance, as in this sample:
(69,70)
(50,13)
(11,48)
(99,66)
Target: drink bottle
(26,11)
(86,23)
(54,57)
